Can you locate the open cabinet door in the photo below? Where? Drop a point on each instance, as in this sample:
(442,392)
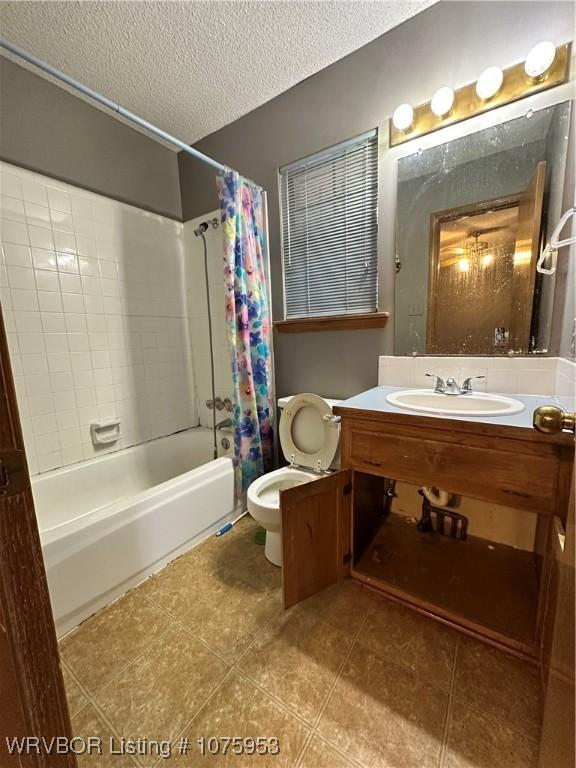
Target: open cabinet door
(526,255)
(32,696)
(316,531)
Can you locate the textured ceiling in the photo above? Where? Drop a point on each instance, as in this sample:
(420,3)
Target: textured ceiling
(193,67)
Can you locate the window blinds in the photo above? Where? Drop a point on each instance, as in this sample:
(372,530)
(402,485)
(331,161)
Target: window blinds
(329,230)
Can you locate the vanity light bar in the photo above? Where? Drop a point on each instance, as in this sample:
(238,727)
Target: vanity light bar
(487,93)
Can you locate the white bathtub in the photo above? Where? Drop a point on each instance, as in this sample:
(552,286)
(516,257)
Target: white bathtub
(108,523)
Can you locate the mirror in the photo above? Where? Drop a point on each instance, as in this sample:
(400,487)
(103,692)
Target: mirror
(473,216)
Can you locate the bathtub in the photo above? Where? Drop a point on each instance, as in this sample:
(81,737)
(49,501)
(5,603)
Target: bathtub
(108,523)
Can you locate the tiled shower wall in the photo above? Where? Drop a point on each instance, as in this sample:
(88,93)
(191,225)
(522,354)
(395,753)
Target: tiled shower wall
(199,315)
(95,301)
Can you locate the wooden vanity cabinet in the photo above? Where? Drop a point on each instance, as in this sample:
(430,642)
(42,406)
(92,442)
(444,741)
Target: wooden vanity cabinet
(335,527)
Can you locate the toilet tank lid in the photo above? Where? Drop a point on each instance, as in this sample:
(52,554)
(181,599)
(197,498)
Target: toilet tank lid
(283,401)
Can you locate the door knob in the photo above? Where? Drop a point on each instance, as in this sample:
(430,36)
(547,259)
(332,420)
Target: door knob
(551,420)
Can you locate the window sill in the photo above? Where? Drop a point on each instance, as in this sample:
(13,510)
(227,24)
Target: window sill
(358,322)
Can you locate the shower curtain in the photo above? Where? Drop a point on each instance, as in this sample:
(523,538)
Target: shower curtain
(248,326)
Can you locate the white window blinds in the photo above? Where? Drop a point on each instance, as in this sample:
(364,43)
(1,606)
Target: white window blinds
(329,230)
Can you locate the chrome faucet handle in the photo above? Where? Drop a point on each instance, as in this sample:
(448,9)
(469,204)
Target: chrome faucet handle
(439,385)
(228,404)
(467,384)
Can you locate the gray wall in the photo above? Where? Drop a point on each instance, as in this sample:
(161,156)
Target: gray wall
(448,44)
(564,318)
(46,129)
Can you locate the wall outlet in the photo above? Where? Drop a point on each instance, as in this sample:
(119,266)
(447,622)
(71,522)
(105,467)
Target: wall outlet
(415,309)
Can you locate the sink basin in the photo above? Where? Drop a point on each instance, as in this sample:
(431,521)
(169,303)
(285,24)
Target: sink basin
(473,404)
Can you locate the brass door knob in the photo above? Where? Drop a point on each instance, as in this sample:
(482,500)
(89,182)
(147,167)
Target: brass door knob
(551,420)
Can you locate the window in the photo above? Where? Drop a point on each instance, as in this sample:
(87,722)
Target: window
(329,230)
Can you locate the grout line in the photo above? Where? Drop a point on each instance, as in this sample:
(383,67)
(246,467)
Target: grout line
(129,663)
(201,706)
(498,720)
(343,663)
(91,702)
(280,702)
(405,668)
(448,716)
(177,622)
(80,685)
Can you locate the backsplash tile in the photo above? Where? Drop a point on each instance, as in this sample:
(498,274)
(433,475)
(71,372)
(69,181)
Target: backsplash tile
(527,375)
(95,303)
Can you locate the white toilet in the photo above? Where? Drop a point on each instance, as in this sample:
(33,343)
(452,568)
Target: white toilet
(310,439)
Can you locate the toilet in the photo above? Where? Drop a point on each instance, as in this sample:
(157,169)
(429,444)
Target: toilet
(310,441)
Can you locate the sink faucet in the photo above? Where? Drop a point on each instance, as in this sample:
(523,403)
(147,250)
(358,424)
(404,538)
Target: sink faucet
(451,387)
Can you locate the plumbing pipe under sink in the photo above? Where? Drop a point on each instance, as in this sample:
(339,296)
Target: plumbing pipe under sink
(436,496)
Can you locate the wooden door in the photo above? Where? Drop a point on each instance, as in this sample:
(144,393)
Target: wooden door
(557,748)
(32,696)
(525,257)
(316,535)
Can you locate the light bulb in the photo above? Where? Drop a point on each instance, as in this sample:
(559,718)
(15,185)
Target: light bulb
(442,101)
(403,117)
(464,265)
(489,83)
(487,260)
(539,60)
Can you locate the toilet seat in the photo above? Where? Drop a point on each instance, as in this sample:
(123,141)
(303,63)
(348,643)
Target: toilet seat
(313,444)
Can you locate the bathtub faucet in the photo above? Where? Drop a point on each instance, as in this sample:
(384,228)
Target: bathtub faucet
(224,424)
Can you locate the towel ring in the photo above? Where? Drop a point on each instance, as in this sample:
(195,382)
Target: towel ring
(554,239)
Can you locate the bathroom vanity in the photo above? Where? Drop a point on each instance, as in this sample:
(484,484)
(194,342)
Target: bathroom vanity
(340,526)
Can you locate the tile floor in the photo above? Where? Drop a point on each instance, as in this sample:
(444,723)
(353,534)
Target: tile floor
(347,678)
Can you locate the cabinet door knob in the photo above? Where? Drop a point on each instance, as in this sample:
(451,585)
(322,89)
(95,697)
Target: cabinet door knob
(550,420)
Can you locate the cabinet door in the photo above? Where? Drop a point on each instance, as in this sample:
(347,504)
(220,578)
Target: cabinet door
(316,530)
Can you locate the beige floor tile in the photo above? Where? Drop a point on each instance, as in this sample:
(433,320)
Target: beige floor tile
(319,754)
(106,642)
(228,623)
(474,741)
(87,723)
(212,546)
(163,689)
(384,716)
(296,658)
(76,699)
(239,709)
(182,582)
(238,557)
(406,637)
(344,605)
(498,684)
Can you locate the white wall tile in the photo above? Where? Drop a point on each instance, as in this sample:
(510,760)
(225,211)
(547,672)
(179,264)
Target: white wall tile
(17,255)
(44,259)
(529,375)
(85,283)
(21,278)
(39,237)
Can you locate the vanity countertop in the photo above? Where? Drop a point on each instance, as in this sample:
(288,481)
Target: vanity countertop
(374,400)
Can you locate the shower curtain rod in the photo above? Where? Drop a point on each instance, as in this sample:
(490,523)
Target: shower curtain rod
(130,116)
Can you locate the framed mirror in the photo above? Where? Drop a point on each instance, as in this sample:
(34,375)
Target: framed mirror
(473,217)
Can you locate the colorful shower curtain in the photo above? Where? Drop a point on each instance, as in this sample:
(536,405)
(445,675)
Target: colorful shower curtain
(248,325)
